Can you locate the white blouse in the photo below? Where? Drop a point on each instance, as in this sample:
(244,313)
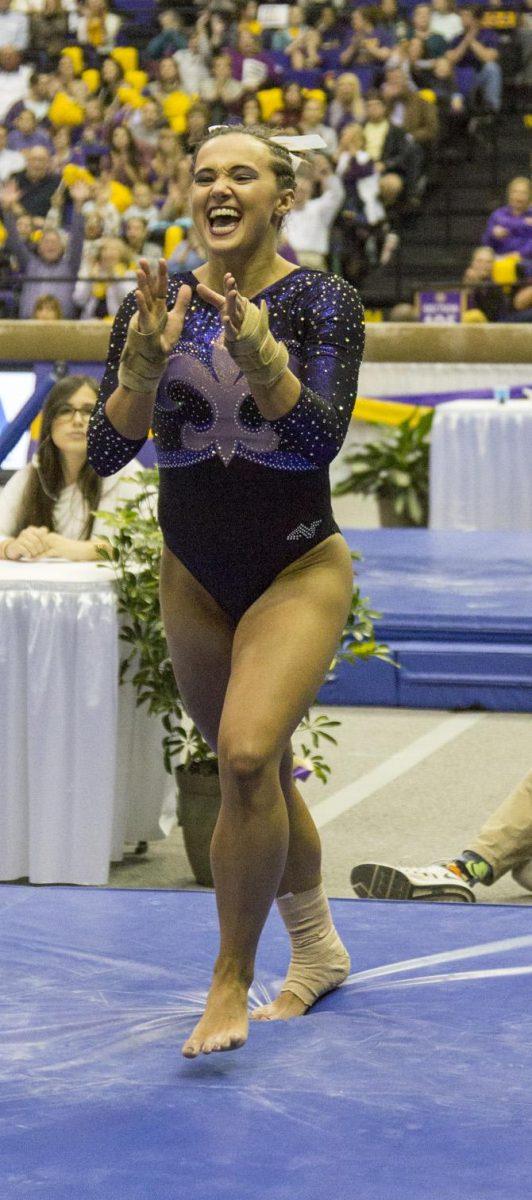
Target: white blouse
(71,509)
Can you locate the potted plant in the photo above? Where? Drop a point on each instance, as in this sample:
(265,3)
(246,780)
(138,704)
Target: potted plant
(395,469)
(136,545)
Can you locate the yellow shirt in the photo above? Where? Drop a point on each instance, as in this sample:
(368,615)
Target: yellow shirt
(375,137)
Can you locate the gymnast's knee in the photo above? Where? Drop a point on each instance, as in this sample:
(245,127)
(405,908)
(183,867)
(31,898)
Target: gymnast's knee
(246,759)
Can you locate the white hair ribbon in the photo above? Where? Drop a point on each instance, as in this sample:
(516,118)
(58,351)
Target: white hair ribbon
(300,141)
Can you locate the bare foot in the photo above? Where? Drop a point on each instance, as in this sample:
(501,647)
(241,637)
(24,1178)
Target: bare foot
(224,1024)
(282,1009)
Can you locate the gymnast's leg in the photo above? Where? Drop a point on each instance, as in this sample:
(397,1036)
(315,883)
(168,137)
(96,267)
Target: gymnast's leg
(282,649)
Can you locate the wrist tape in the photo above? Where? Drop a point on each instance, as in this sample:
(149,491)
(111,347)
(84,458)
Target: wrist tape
(255,350)
(143,359)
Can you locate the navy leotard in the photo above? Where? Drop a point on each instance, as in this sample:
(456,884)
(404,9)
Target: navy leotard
(241,497)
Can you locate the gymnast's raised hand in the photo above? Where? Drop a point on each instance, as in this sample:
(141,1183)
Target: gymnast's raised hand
(150,294)
(231,306)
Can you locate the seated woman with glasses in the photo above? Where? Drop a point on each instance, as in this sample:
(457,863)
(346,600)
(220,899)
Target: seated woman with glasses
(46,508)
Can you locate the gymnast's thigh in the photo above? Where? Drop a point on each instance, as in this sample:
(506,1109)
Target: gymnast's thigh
(200,641)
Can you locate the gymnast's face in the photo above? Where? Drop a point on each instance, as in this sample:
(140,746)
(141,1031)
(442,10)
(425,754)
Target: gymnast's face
(236,200)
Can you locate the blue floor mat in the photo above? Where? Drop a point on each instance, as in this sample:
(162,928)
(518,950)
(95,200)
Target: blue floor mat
(411,1082)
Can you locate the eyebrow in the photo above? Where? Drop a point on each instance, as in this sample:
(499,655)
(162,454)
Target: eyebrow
(232,167)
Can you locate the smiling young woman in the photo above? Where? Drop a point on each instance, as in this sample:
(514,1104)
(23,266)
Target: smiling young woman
(247,370)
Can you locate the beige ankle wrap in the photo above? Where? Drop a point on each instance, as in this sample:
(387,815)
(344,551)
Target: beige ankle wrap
(143,360)
(259,356)
(320,961)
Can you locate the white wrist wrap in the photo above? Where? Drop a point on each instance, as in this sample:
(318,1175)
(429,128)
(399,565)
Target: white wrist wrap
(320,961)
(259,356)
(143,359)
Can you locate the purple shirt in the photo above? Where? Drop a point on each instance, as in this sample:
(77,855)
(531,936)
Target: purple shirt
(487,37)
(519,238)
(24,141)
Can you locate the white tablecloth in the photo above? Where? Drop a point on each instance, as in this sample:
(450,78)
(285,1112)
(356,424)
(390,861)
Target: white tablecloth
(481,465)
(81,768)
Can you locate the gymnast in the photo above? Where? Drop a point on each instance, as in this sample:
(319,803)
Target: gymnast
(246,369)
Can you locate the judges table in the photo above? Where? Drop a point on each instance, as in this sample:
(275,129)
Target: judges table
(480,465)
(81,768)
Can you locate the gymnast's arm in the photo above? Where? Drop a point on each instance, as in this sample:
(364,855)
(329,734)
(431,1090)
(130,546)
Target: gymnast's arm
(312,414)
(121,419)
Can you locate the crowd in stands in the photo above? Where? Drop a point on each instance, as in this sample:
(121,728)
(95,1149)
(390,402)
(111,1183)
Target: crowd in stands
(102,105)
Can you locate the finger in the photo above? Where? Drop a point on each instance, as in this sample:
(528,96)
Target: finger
(229,329)
(144,312)
(150,281)
(162,279)
(211,297)
(183,298)
(143,285)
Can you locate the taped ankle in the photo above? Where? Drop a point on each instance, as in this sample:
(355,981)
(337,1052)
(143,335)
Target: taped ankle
(320,961)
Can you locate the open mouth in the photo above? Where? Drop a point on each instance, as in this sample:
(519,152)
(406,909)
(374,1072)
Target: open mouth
(223,221)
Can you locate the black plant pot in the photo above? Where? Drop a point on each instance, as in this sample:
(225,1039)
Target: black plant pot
(199,799)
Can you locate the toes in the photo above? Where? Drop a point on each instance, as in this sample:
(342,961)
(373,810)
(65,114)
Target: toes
(191,1049)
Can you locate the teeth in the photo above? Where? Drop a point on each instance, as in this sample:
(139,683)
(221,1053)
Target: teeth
(223,212)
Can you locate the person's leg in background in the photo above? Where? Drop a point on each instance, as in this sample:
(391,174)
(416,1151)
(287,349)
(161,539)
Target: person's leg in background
(504,844)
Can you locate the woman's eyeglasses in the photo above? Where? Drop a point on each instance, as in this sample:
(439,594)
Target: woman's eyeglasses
(66,412)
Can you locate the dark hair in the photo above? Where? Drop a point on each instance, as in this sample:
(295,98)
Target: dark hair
(47,480)
(281,163)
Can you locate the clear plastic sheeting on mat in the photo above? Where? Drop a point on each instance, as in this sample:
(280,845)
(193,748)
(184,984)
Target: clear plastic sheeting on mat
(412,1080)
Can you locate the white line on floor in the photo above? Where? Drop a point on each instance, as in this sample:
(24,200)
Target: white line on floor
(328,810)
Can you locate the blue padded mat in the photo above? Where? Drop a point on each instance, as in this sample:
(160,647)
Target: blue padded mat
(411,1082)
(432,581)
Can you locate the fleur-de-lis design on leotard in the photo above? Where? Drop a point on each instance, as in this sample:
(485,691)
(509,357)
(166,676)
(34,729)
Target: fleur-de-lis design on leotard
(224,391)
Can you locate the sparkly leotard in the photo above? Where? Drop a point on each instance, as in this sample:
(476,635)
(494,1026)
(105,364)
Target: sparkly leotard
(241,497)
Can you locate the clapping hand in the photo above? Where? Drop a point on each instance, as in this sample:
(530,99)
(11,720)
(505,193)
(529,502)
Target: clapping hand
(231,305)
(152,288)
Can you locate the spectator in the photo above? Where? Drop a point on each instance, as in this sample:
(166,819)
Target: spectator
(49,32)
(97,27)
(47,308)
(14,27)
(137,243)
(37,183)
(171,37)
(365,236)
(62,148)
(38,98)
(188,254)
(292,104)
(198,118)
(146,124)
(312,122)
(425,47)
(26,134)
(14,78)
(143,205)
(46,509)
(220,90)
(347,104)
(444,20)
(11,161)
(111,279)
(192,65)
(112,78)
(392,21)
(214,33)
(168,80)
(100,203)
(418,118)
(387,145)
(478,48)
(509,229)
(307,226)
(304,53)
(483,295)
(364,44)
(55,259)
(282,39)
(452,109)
(251,111)
(250,65)
(125,161)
